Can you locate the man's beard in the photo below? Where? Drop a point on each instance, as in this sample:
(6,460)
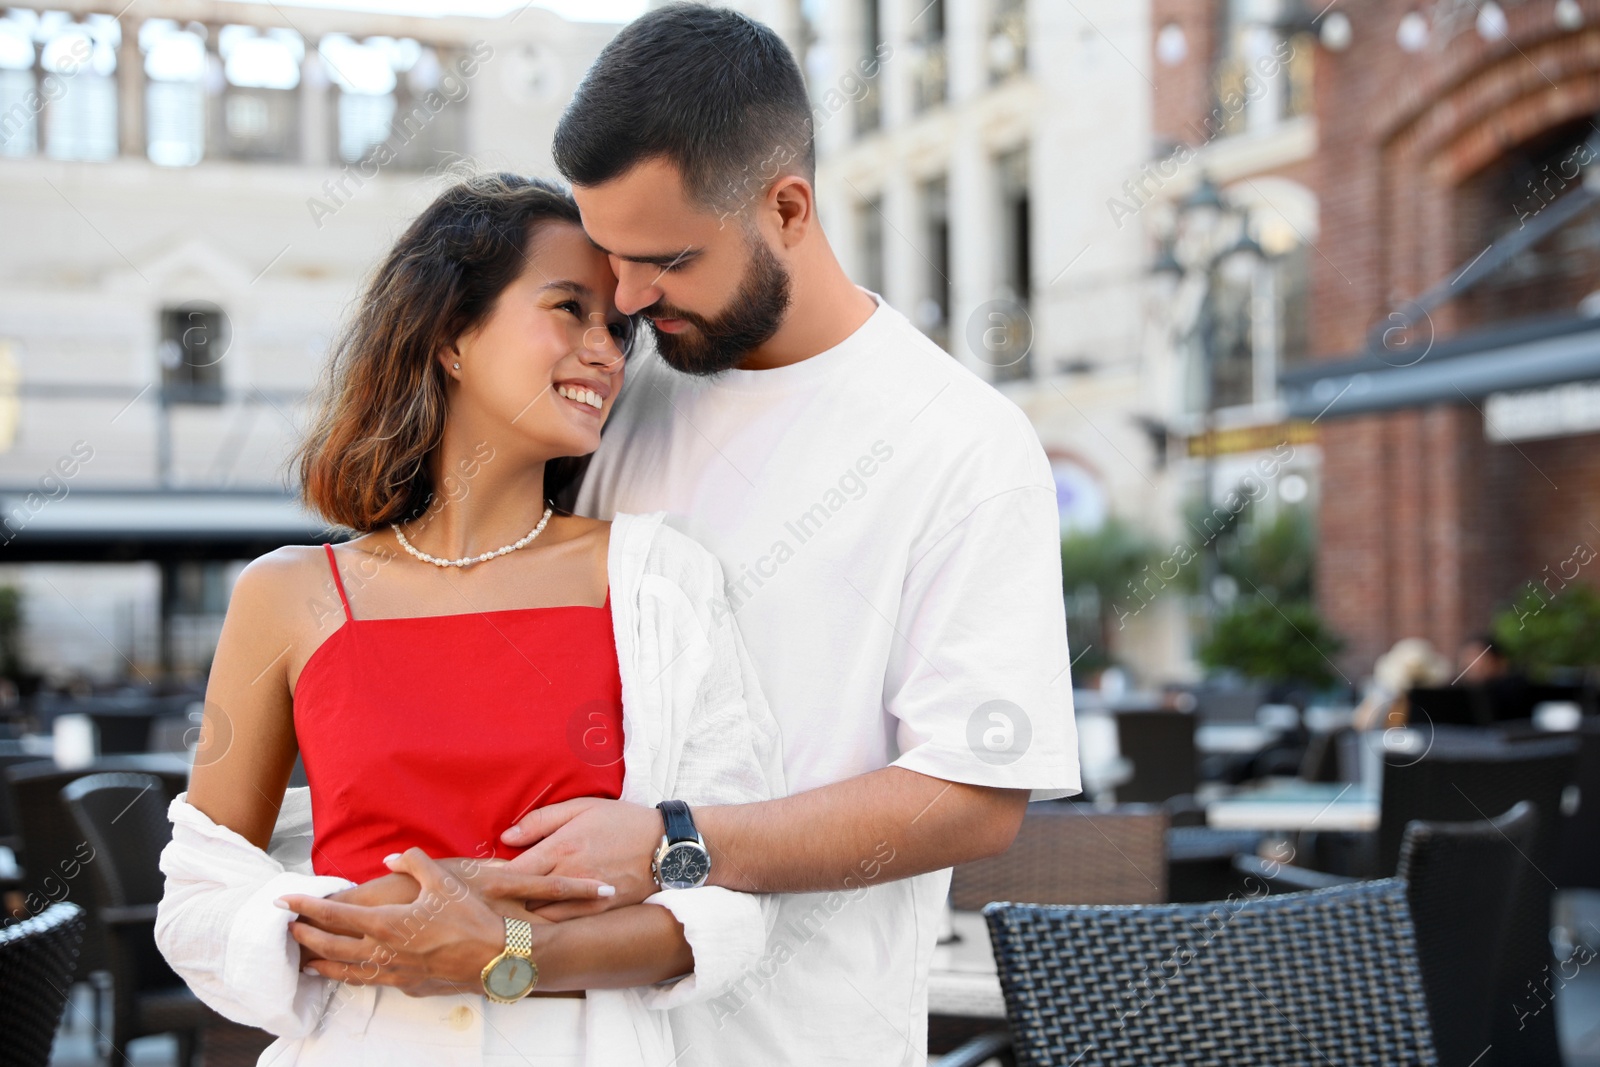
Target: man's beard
(711,346)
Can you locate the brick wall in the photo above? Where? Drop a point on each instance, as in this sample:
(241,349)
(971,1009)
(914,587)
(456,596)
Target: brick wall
(1426,528)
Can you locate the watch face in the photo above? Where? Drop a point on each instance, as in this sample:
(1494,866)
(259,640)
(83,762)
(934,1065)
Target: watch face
(510,977)
(685,866)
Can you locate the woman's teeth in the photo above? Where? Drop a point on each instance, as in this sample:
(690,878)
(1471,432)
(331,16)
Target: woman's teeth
(582,396)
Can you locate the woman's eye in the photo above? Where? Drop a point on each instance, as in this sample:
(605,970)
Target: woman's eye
(571,306)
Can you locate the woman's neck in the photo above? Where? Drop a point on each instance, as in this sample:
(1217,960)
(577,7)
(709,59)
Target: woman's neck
(484,497)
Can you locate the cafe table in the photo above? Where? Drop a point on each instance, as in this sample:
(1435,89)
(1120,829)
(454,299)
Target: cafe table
(963,980)
(1288,804)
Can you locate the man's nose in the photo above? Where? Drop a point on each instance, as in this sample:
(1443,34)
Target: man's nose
(637,286)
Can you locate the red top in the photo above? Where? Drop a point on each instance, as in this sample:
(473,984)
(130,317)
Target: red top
(441,731)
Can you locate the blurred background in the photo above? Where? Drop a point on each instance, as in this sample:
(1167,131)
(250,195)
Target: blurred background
(1303,300)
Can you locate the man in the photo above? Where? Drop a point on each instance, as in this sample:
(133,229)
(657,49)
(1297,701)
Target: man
(888,532)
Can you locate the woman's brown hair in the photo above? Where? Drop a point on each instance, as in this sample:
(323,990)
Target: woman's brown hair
(364,461)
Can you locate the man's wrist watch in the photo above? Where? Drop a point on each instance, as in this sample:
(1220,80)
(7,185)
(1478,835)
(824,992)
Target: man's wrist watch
(512,975)
(681,861)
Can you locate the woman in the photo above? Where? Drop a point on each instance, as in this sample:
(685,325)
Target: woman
(471,654)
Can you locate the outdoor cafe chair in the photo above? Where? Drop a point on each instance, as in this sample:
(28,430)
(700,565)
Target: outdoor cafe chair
(1327,977)
(123,817)
(36,962)
(1067,853)
(1462,880)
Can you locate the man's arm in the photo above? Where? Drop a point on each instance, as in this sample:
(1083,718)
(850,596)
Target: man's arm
(886,824)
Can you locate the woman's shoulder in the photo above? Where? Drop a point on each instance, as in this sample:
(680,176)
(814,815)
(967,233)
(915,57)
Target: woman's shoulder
(291,575)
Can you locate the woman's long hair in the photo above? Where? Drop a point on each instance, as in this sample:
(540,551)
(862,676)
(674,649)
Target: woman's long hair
(364,461)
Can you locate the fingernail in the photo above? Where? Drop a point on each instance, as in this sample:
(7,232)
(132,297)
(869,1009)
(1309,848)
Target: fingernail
(391,859)
(515,834)
(284,904)
(310,972)
(608,890)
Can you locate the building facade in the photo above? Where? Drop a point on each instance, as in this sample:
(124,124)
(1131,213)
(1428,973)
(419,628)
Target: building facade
(1455,295)
(191,195)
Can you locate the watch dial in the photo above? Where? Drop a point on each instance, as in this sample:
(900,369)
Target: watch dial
(684,866)
(510,977)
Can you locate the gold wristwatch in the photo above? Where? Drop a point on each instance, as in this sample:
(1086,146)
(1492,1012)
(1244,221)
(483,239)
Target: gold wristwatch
(512,975)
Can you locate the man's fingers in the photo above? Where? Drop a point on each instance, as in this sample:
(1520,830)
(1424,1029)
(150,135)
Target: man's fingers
(542,822)
(508,883)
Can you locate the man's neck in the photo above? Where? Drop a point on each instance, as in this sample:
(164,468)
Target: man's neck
(825,308)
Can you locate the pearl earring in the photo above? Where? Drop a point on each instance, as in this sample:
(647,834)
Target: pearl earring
(457,366)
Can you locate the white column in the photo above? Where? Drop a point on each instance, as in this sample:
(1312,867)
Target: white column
(974,237)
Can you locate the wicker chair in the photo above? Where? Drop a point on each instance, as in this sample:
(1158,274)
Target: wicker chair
(1461,880)
(123,817)
(1326,977)
(1071,854)
(1465,882)
(1579,862)
(36,961)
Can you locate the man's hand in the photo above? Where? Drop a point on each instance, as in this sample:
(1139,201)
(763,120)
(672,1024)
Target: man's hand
(589,838)
(436,943)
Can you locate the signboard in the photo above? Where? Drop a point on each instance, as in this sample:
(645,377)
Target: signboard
(1555,411)
(1251,438)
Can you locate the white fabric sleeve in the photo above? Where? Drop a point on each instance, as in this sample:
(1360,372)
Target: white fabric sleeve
(979,679)
(731,754)
(219,930)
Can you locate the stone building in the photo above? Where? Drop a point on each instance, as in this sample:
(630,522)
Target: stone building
(190,197)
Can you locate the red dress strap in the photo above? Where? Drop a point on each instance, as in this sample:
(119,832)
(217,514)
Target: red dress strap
(338,582)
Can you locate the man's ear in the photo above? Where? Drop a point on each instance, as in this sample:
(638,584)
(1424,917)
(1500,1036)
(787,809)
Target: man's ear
(793,202)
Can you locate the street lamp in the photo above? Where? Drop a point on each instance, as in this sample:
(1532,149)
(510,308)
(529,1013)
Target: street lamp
(1209,239)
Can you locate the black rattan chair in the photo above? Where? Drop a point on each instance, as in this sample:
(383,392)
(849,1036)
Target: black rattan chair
(123,817)
(1461,880)
(1464,882)
(1579,864)
(36,962)
(1326,977)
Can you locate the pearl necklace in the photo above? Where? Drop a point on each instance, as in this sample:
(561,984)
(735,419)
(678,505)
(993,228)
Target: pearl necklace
(467,561)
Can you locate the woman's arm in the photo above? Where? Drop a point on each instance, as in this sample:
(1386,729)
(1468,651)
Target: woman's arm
(216,923)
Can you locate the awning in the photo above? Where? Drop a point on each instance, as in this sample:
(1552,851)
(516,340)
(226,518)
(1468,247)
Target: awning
(1521,355)
(75,523)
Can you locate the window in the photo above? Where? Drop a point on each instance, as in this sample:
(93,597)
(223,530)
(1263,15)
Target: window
(1008,39)
(194,339)
(58,90)
(1016,267)
(1262,76)
(869,233)
(930,73)
(376,105)
(869,115)
(175,67)
(260,114)
(933,313)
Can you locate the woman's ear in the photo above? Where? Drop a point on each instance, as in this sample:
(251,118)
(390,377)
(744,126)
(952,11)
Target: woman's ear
(449,358)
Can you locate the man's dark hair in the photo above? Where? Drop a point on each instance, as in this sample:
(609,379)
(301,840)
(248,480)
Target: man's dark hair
(715,93)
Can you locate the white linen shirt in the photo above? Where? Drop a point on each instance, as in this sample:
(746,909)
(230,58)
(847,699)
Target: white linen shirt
(695,727)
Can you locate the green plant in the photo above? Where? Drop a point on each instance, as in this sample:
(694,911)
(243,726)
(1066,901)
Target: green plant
(1275,556)
(1098,570)
(1288,642)
(1563,631)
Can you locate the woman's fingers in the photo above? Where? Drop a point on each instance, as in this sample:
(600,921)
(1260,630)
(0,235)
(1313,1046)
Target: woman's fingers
(334,948)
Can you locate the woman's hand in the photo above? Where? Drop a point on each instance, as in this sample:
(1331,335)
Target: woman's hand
(435,943)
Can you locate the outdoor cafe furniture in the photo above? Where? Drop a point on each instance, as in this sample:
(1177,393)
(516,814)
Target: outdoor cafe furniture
(1458,778)
(1069,853)
(1462,880)
(1328,976)
(36,962)
(123,818)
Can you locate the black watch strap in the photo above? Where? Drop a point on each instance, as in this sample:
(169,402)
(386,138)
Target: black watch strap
(679,823)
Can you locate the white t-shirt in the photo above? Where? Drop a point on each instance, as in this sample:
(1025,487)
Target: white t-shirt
(888,531)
